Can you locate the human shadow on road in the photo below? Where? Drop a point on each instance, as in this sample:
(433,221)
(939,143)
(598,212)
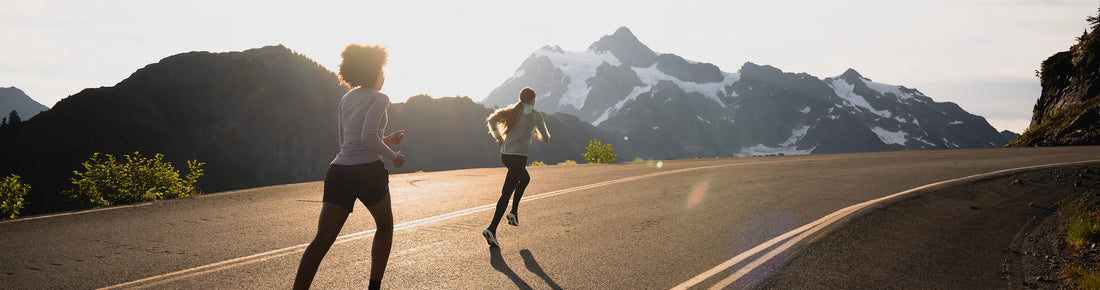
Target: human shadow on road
(498,263)
(533,266)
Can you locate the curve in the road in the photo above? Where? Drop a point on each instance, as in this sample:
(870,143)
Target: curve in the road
(809,229)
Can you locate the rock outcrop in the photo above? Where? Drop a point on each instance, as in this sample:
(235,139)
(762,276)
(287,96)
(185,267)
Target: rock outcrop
(1068,111)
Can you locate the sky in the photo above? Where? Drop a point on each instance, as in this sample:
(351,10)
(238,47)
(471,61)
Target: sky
(981,54)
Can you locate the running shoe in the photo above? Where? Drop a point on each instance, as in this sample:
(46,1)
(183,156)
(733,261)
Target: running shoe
(490,238)
(513,219)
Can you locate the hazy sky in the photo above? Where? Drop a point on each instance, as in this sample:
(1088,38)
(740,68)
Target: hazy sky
(981,54)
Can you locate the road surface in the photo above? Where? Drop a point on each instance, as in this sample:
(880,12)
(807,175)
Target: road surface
(682,223)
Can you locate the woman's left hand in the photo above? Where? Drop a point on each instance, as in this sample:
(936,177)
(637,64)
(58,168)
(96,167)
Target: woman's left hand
(394,138)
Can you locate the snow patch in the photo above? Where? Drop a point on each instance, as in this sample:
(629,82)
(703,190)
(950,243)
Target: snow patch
(578,67)
(844,90)
(619,105)
(947,143)
(890,137)
(796,135)
(885,88)
(651,75)
(925,141)
(804,110)
(762,149)
(955,122)
(519,73)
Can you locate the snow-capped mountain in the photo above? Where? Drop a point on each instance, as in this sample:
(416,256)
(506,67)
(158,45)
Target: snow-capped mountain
(666,106)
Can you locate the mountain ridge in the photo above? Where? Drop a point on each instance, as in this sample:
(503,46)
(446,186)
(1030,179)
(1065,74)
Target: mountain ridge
(257,117)
(754,110)
(12,98)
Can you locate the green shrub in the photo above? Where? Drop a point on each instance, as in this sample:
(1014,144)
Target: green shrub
(1084,279)
(1081,231)
(598,153)
(538,163)
(568,162)
(107,182)
(11,196)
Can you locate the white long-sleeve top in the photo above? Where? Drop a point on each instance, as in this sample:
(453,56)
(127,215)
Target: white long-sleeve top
(363,120)
(518,142)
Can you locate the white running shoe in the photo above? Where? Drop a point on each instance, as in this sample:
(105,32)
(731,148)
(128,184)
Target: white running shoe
(490,238)
(512,219)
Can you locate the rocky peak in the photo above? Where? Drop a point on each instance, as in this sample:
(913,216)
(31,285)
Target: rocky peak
(852,76)
(754,71)
(626,47)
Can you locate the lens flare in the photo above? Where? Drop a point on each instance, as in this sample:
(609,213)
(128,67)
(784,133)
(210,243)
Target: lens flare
(697,193)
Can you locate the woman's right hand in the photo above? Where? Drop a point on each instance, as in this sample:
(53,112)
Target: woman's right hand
(399,160)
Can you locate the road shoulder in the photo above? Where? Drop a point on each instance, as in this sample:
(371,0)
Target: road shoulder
(973,236)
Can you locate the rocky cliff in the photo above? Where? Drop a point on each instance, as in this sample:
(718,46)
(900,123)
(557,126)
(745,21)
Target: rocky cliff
(1068,111)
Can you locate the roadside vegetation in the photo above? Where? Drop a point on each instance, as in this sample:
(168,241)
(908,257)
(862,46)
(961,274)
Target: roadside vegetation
(12,192)
(108,181)
(568,162)
(596,152)
(1080,233)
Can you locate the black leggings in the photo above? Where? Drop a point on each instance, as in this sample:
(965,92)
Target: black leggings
(516,181)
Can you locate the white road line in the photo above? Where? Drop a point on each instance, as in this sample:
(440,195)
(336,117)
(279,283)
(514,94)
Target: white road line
(74,212)
(805,231)
(213,267)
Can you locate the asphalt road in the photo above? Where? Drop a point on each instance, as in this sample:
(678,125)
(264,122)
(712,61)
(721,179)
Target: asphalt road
(629,226)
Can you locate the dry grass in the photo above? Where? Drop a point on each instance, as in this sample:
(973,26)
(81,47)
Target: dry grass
(568,162)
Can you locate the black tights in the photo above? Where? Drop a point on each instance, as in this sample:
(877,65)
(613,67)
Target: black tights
(516,181)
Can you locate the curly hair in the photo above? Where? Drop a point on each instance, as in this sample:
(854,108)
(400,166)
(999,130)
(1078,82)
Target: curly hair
(361,65)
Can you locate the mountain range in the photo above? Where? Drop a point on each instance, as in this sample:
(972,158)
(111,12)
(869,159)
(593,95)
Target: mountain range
(12,98)
(666,106)
(258,117)
(266,116)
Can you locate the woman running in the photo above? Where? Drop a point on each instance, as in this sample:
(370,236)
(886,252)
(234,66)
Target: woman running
(513,127)
(357,172)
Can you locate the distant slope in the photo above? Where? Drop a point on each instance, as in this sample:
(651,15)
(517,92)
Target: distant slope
(258,117)
(1009,135)
(12,98)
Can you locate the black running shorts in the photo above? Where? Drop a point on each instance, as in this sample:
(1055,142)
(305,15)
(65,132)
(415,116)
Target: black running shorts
(368,182)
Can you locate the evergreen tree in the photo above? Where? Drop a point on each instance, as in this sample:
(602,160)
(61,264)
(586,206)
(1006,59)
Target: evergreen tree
(5,122)
(1094,20)
(14,117)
